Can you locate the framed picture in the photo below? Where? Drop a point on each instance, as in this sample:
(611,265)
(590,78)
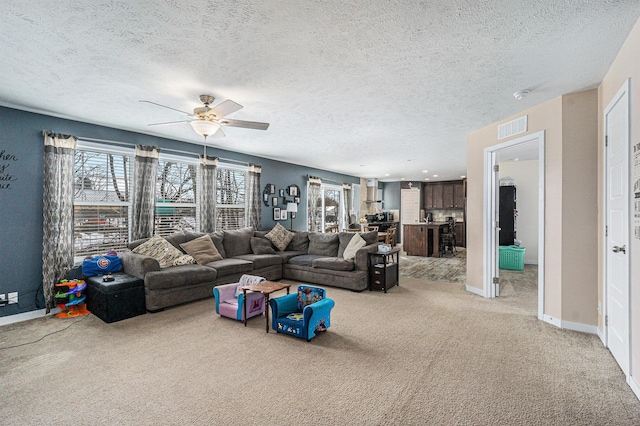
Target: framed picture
(274,201)
(296,200)
(283,214)
(293,215)
(282,192)
(265,198)
(276,213)
(293,190)
(272,188)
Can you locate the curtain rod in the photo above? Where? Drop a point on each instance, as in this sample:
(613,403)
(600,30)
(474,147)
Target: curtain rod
(161,149)
(326,180)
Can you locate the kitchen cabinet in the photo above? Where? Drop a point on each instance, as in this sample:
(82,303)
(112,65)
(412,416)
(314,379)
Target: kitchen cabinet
(414,240)
(444,195)
(459,195)
(461,238)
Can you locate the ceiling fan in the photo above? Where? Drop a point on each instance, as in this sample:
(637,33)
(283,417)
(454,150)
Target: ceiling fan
(207,121)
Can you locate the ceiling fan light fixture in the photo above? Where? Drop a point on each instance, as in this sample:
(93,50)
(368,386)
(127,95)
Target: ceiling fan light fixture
(521,94)
(204,127)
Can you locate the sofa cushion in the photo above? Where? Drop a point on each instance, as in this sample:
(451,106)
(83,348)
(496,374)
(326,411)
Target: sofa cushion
(178,238)
(217,238)
(356,243)
(136,243)
(345,239)
(280,237)
(286,255)
(237,242)
(179,276)
(370,237)
(261,246)
(304,260)
(324,244)
(333,263)
(161,250)
(231,266)
(202,250)
(261,260)
(300,242)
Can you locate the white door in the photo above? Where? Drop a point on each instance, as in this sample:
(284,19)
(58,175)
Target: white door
(617,217)
(410,205)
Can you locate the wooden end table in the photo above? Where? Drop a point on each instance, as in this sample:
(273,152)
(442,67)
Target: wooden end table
(266,288)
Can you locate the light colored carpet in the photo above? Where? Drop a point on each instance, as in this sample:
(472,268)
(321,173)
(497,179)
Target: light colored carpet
(424,353)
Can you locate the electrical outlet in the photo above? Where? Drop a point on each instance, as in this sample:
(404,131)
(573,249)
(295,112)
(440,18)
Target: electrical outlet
(13,297)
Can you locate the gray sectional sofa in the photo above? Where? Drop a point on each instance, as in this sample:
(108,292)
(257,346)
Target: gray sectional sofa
(310,257)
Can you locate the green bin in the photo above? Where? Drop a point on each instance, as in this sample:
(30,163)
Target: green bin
(512,257)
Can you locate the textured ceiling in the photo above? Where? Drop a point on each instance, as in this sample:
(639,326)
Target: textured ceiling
(363,88)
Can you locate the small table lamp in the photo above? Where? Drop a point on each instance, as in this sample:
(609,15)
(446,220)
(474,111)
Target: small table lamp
(292,208)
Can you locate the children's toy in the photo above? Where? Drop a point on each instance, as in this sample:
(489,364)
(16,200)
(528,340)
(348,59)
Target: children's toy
(70,299)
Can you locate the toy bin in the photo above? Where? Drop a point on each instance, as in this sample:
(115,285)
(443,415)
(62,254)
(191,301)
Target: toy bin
(512,257)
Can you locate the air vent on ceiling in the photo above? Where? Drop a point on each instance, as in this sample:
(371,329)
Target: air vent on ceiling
(513,127)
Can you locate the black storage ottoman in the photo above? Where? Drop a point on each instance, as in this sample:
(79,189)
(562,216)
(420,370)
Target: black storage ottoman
(115,300)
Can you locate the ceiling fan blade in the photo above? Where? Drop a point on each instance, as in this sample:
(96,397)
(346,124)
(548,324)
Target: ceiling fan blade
(225,108)
(169,122)
(164,106)
(245,124)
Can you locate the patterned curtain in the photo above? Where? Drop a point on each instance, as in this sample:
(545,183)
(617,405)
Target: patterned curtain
(314,205)
(144,191)
(254,201)
(348,205)
(57,238)
(208,168)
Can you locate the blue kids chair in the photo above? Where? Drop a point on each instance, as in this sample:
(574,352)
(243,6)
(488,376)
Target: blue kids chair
(304,314)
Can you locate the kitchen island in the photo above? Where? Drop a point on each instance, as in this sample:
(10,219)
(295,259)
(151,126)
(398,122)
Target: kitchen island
(423,238)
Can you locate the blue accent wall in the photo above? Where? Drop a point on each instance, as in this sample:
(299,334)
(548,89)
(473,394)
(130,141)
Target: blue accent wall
(21,170)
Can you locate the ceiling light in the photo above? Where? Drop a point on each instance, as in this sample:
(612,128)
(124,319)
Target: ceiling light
(462,177)
(426,178)
(386,174)
(401,178)
(425,171)
(521,94)
(204,127)
(435,175)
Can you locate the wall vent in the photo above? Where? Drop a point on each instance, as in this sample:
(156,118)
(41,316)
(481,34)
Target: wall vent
(513,127)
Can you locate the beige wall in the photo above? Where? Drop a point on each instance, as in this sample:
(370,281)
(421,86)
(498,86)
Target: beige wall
(569,123)
(626,65)
(580,207)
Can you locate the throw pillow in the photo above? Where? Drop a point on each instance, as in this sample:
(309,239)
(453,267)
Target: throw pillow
(202,250)
(280,237)
(324,244)
(356,243)
(185,259)
(160,249)
(261,246)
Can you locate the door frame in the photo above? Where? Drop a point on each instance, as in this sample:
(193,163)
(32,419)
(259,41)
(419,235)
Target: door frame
(490,215)
(623,91)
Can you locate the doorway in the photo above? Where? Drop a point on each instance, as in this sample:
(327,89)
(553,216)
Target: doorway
(493,154)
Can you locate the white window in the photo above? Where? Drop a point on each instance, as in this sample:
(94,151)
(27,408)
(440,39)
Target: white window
(176,195)
(102,200)
(231,200)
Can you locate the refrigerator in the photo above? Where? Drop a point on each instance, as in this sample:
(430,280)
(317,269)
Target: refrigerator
(507,215)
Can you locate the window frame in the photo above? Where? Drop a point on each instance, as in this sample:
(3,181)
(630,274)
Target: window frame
(85,146)
(191,161)
(235,167)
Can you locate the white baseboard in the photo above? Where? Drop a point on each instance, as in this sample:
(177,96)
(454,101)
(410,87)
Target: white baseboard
(474,290)
(25,316)
(635,387)
(552,321)
(576,326)
(601,336)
